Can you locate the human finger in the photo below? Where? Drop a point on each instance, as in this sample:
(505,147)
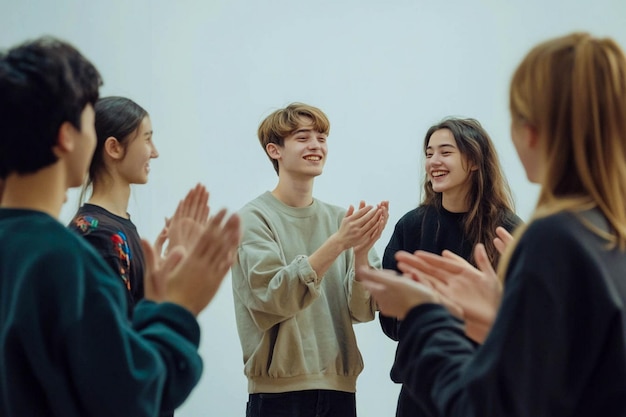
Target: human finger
(228,241)
(221,239)
(437,282)
(453,256)
(394,294)
(363,216)
(206,209)
(173,258)
(374,287)
(503,239)
(195,200)
(160,241)
(372,222)
(204,245)
(483,263)
(381,276)
(429,263)
(150,260)
(202,205)
(361,212)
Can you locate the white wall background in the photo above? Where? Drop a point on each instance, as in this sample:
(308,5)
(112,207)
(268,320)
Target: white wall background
(384,71)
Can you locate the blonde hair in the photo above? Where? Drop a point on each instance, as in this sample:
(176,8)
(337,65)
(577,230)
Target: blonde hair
(283,122)
(572,91)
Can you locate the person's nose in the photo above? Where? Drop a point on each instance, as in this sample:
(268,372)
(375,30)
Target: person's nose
(154,153)
(315,144)
(434,160)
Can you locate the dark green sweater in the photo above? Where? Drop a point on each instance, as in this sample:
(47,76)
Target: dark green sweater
(67,347)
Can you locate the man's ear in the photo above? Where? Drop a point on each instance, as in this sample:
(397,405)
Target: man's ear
(113,148)
(65,139)
(273,150)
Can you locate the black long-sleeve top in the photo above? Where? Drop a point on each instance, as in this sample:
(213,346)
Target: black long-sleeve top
(431,229)
(558,344)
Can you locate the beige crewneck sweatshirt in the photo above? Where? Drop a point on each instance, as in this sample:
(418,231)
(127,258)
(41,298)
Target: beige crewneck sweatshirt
(296,328)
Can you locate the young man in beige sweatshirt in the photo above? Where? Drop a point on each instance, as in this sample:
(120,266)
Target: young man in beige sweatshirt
(295,285)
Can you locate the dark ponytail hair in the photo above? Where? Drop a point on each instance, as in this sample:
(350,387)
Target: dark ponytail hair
(117,117)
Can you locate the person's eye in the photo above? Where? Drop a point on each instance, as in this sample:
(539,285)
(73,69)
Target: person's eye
(428,155)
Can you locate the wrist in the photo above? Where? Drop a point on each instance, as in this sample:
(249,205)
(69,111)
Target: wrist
(337,242)
(361,260)
(184,302)
(359,264)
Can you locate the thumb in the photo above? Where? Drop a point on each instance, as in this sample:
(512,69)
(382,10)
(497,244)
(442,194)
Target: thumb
(482,261)
(451,255)
(150,265)
(160,240)
(174,257)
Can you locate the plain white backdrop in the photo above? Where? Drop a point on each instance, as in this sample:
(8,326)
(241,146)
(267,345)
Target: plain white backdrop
(384,71)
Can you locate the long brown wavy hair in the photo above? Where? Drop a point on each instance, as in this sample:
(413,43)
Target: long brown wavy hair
(489,197)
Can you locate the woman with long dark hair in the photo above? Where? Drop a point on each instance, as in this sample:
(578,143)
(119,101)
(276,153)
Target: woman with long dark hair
(557,346)
(466,198)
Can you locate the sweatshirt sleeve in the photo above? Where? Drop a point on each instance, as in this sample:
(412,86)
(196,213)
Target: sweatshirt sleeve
(175,333)
(116,368)
(270,288)
(391,325)
(360,302)
(533,362)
